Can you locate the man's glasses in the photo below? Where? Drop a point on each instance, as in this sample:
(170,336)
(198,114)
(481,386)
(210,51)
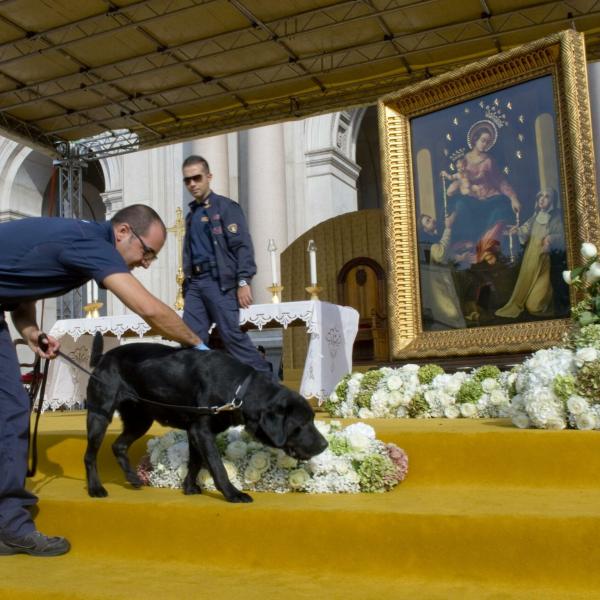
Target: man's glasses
(195,178)
(149,253)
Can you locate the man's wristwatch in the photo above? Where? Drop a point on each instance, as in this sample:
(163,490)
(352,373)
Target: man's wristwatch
(242,283)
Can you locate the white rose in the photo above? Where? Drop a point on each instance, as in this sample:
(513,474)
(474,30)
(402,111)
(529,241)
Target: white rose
(298,479)
(555,423)
(566,275)
(593,273)
(585,421)
(588,250)
(489,384)
(182,471)
(286,462)
(358,441)
(260,461)
(498,397)
(586,354)
(402,412)
(452,411)
(236,450)
(204,478)
(468,410)
(394,383)
(521,420)
(452,386)
(578,405)
(334,398)
(252,475)
(395,398)
(365,413)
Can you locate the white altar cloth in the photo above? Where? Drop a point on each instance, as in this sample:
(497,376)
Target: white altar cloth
(332,331)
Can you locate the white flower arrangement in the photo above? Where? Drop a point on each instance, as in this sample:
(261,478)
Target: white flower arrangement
(557,389)
(422,392)
(355,461)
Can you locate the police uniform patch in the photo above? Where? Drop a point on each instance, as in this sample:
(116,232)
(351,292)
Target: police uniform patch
(232,228)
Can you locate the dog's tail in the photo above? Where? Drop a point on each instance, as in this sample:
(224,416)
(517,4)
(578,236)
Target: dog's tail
(97,349)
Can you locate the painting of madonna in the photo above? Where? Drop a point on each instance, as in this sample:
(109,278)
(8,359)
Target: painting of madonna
(478,167)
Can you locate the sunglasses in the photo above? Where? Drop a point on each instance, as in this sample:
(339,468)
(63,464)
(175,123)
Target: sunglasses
(149,253)
(195,178)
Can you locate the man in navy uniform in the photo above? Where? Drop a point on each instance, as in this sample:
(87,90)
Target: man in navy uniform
(218,262)
(44,258)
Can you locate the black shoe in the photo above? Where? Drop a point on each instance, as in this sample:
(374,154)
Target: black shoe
(34,544)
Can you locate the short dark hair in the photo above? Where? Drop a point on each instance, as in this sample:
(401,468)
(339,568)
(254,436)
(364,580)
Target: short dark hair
(194,159)
(139,217)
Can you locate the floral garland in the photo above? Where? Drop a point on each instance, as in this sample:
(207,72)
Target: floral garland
(355,461)
(422,392)
(556,388)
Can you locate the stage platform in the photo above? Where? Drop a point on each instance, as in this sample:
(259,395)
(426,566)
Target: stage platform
(487,511)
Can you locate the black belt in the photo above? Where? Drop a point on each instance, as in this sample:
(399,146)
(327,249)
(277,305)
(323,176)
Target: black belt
(201,268)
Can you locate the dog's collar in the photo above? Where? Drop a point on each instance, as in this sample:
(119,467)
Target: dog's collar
(238,395)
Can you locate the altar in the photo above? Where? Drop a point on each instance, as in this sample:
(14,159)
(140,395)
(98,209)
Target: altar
(332,330)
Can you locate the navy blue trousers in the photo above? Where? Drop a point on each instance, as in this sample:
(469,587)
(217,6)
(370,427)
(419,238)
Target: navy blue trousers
(206,304)
(15,517)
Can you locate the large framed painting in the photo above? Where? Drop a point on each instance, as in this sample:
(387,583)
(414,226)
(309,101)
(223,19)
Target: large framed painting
(489,192)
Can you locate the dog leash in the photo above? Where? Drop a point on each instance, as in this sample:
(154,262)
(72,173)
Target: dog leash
(234,404)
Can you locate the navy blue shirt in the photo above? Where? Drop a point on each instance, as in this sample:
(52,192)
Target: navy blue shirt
(47,257)
(200,238)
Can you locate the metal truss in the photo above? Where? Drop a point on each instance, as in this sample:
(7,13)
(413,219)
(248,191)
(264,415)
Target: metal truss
(160,116)
(70,175)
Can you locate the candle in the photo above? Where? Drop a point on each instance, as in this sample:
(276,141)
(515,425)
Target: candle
(272,248)
(312,253)
(88,291)
(94,291)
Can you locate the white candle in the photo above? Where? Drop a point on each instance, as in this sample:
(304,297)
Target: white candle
(94,291)
(272,248)
(312,253)
(88,291)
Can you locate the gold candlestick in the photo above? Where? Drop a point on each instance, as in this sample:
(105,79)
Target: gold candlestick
(314,291)
(179,230)
(275,293)
(92,310)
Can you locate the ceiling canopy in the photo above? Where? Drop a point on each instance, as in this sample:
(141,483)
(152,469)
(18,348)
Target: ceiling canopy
(137,74)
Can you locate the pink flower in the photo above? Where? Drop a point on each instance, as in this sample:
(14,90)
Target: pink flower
(144,469)
(400,460)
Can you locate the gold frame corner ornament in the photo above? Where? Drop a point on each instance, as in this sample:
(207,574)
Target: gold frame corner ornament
(561,55)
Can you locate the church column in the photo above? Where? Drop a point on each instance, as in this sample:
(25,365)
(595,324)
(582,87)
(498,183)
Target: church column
(215,150)
(267,216)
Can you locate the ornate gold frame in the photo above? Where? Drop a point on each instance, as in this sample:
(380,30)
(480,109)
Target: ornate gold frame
(561,55)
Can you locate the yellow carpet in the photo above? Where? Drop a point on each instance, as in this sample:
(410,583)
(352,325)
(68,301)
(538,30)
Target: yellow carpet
(487,511)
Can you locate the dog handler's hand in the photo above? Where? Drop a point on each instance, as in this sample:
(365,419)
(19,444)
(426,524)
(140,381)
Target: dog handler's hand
(44,345)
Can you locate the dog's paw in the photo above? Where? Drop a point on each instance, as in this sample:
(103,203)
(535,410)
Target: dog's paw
(240,497)
(97,492)
(135,481)
(191,488)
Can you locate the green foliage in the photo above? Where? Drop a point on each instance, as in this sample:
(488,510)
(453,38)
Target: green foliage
(368,384)
(587,336)
(427,373)
(587,382)
(338,444)
(374,471)
(418,405)
(564,386)
(470,391)
(486,372)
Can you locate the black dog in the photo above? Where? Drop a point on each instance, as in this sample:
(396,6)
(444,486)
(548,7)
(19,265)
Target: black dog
(181,386)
